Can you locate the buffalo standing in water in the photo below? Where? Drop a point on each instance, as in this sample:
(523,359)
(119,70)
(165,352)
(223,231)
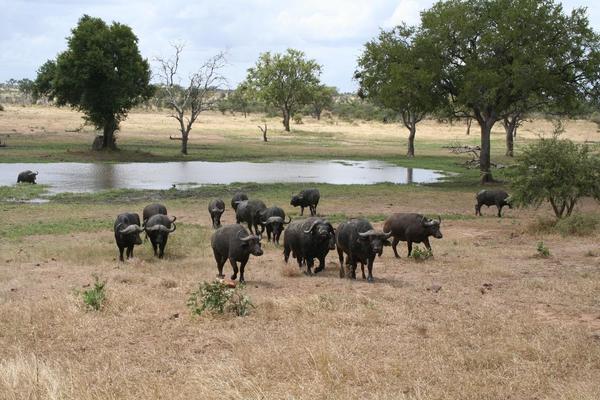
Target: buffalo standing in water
(127,233)
(27,177)
(234,243)
(412,228)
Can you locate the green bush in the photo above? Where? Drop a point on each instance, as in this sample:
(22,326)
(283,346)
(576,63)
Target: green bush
(542,250)
(95,297)
(557,171)
(577,225)
(419,254)
(218,298)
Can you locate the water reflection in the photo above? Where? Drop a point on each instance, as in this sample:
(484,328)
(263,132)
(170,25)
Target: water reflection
(89,177)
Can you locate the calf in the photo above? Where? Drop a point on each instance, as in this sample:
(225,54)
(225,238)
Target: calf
(234,243)
(412,228)
(216,208)
(127,233)
(361,243)
(499,198)
(237,198)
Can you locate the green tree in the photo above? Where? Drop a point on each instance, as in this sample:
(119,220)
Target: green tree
(400,73)
(240,98)
(498,54)
(558,171)
(101,74)
(285,81)
(323,98)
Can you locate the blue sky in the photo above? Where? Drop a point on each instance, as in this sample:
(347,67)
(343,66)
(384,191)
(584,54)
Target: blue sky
(332,32)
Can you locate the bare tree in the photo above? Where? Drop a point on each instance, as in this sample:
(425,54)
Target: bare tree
(198,94)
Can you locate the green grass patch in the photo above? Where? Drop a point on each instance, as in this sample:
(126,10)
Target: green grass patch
(57,227)
(21,192)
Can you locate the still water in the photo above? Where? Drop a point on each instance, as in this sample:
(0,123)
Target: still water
(91,177)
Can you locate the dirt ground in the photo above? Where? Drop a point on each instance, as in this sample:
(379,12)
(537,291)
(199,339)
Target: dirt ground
(485,318)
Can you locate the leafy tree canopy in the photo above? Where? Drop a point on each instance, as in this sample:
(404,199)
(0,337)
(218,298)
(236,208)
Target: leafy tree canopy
(286,81)
(101,74)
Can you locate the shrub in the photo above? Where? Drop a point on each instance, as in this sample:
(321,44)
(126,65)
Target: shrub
(558,171)
(542,250)
(419,254)
(94,298)
(217,298)
(577,225)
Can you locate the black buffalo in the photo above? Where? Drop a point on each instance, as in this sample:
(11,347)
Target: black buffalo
(234,243)
(127,233)
(238,197)
(249,211)
(216,208)
(27,177)
(158,227)
(307,239)
(306,198)
(499,198)
(273,219)
(361,243)
(412,228)
(153,209)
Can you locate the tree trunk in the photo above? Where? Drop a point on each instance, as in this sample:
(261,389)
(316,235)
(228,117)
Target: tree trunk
(184,143)
(411,140)
(286,120)
(108,135)
(469,122)
(484,158)
(510,127)
(318,113)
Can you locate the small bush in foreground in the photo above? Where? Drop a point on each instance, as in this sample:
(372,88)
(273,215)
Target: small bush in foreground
(419,254)
(218,298)
(94,298)
(542,250)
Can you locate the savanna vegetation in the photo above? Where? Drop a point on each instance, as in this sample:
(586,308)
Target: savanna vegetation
(501,308)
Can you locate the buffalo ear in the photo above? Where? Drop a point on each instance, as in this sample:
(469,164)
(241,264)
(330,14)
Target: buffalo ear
(387,243)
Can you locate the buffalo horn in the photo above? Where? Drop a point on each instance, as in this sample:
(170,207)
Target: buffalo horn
(312,226)
(271,220)
(367,233)
(289,220)
(130,229)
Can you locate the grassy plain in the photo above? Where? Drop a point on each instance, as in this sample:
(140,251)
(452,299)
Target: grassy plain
(532,331)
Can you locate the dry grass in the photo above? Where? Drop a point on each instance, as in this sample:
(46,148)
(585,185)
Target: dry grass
(504,325)
(532,333)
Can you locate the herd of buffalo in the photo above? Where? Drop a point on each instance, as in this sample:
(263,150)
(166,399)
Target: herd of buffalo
(305,239)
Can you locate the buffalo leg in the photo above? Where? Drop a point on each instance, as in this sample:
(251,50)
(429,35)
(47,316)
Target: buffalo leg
(341,257)
(478,209)
(269,234)
(286,252)
(121,253)
(409,244)
(310,262)
(362,269)
(427,245)
(499,211)
(301,210)
(394,245)
(370,267)
(243,263)
(321,266)
(220,263)
(235,269)
(155,248)
(130,251)
(162,247)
